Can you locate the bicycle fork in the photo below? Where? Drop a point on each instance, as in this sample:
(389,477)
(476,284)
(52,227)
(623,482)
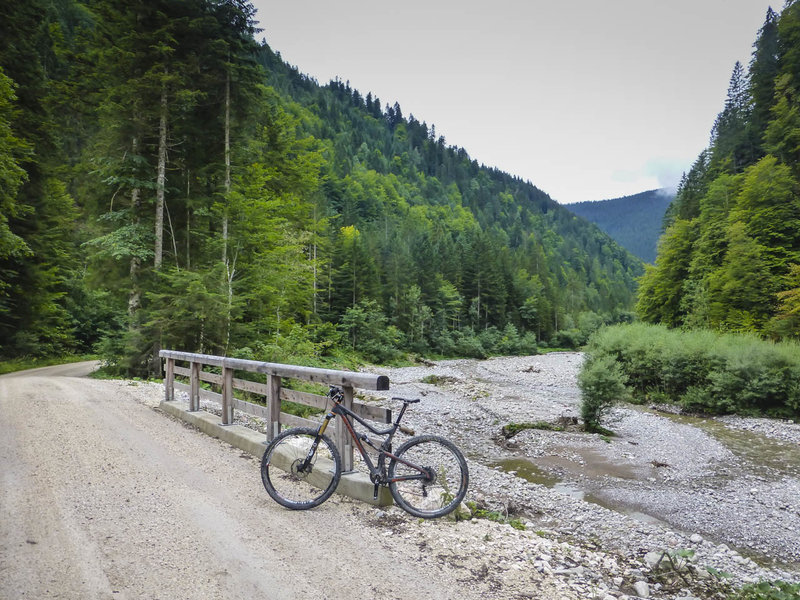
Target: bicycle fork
(315,444)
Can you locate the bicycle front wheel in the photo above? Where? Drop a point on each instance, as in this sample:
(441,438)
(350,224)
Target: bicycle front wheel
(297,474)
(429,477)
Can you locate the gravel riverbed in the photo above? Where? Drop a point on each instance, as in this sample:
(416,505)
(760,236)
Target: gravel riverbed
(600,512)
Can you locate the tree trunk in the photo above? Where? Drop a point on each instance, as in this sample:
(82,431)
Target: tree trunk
(229,269)
(188,223)
(161,180)
(227,166)
(230,273)
(154,367)
(314,290)
(314,264)
(134,296)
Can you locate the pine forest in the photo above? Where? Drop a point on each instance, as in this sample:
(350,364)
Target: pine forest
(729,258)
(635,222)
(167,181)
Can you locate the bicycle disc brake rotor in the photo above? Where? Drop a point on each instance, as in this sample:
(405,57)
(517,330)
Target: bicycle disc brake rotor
(297,472)
(430,479)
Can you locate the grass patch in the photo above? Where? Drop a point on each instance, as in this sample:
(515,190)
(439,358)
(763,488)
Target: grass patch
(605,434)
(437,379)
(23,364)
(768,590)
(513,429)
(496,516)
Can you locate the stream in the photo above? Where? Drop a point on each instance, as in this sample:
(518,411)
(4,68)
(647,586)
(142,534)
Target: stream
(715,485)
(590,474)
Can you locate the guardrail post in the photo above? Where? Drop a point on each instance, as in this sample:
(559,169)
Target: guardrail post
(274,407)
(227,396)
(194,397)
(343,440)
(169,380)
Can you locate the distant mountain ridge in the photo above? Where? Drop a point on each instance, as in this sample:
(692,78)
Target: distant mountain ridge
(633,221)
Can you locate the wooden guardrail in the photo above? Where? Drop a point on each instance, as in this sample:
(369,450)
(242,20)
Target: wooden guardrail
(273,390)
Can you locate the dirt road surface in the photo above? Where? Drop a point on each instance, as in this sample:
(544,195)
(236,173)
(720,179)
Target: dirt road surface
(102,496)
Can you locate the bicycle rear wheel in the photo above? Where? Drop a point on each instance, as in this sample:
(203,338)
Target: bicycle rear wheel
(440,476)
(291,479)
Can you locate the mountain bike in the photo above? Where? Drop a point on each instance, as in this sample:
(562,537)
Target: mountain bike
(427,475)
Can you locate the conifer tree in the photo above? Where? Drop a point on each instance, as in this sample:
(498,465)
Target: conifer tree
(764,67)
(12,175)
(733,150)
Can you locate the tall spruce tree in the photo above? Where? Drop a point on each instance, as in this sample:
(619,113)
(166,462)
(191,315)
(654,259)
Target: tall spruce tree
(740,212)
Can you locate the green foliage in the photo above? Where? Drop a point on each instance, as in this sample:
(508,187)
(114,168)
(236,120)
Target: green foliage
(786,322)
(225,202)
(496,516)
(741,292)
(366,326)
(767,590)
(733,231)
(437,379)
(513,429)
(700,370)
(661,287)
(603,384)
(12,175)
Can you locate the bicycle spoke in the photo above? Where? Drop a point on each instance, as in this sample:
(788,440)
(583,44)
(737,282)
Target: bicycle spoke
(293,480)
(445,477)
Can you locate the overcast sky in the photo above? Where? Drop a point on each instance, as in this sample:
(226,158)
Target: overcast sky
(588,99)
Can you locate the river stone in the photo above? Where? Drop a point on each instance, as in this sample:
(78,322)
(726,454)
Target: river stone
(642,589)
(652,559)
(696,538)
(462,513)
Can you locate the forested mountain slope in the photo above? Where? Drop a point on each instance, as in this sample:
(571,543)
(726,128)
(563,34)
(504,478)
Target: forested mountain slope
(635,222)
(169,181)
(730,256)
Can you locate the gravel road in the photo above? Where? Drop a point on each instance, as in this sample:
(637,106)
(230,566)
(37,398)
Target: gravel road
(104,496)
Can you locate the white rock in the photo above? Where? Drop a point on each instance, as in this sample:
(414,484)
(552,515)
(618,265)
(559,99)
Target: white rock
(642,589)
(652,559)
(703,574)
(696,539)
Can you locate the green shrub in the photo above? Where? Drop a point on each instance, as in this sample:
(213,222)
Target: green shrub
(496,516)
(470,346)
(602,384)
(568,338)
(768,590)
(704,371)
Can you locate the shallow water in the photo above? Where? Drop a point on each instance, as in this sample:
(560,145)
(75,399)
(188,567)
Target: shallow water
(528,470)
(756,449)
(589,475)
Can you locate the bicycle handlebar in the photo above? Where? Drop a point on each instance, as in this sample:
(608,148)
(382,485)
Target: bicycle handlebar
(407,400)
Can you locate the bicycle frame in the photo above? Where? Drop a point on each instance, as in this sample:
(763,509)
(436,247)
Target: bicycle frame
(377,471)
